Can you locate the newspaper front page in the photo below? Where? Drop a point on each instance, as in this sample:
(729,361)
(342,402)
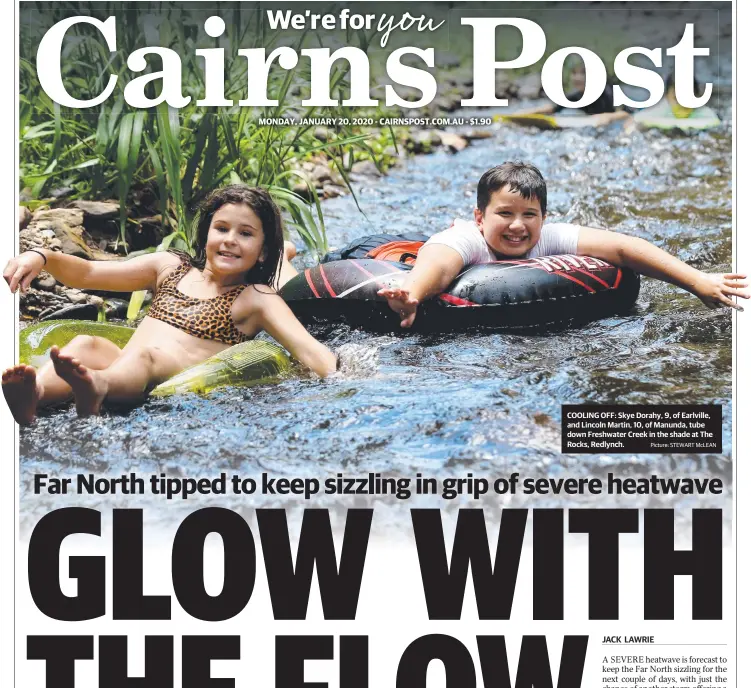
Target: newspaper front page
(473,424)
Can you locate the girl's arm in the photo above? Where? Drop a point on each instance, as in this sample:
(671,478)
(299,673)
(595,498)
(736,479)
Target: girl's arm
(547,109)
(638,254)
(605,118)
(103,275)
(260,307)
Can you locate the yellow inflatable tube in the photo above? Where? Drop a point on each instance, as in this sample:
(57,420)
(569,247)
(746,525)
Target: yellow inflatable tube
(245,364)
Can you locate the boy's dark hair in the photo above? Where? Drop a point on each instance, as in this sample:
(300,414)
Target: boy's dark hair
(521,177)
(259,200)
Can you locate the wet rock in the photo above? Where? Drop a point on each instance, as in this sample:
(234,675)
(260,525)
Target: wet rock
(529,86)
(504,86)
(321,133)
(366,168)
(143,196)
(333,191)
(75,296)
(464,77)
(446,60)
(35,303)
(116,308)
(336,178)
(45,282)
(466,91)
(429,138)
(421,141)
(449,102)
(61,192)
(65,223)
(453,142)
(408,93)
(100,210)
(414,114)
(476,134)
(152,220)
(147,233)
(302,190)
(85,311)
(456,100)
(24,216)
(321,173)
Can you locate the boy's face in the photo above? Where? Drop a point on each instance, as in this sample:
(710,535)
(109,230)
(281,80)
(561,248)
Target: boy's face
(510,224)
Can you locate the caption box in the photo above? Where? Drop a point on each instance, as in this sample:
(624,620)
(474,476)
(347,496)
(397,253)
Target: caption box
(642,429)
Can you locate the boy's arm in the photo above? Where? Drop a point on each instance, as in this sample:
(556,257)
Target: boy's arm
(714,290)
(104,275)
(435,268)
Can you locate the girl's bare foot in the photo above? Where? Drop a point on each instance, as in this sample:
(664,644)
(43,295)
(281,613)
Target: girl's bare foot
(21,392)
(88,388)
(289,250)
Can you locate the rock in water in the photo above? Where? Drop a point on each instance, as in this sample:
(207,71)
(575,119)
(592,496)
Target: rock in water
(102,210)
(24,216)
(66,225)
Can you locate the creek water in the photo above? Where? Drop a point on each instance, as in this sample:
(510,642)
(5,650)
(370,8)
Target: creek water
(480,403)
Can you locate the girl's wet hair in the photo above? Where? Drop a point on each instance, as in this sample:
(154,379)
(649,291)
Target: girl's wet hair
(266,270)
(521,177)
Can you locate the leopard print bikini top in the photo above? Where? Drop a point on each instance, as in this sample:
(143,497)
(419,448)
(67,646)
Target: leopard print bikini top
(202,318)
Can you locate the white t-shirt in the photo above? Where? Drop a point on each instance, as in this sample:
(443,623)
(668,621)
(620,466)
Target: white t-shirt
(466,239)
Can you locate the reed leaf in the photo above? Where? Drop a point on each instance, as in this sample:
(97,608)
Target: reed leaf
(134,305)
(177,157)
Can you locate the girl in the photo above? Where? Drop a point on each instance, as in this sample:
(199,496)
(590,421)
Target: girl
(202,306)
(602,110)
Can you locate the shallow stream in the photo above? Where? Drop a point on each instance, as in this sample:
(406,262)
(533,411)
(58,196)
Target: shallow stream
(481,403)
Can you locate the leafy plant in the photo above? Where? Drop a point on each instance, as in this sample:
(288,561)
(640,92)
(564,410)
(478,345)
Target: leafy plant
(179,156)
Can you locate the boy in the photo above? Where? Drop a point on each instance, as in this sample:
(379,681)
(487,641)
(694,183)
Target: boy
(511,208)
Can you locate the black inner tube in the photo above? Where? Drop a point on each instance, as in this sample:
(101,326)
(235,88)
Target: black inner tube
(534,293)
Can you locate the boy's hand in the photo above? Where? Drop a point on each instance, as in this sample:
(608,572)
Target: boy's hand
(402,303)
(20,271)
(716,290)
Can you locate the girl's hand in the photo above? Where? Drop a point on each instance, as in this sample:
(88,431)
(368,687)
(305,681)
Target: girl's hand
(716,290)
(20,271)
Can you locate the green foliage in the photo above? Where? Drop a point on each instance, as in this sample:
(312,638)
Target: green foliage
(113,149)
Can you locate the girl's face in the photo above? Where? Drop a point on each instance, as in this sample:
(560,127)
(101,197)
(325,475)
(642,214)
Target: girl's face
(578,78)
(235,240)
